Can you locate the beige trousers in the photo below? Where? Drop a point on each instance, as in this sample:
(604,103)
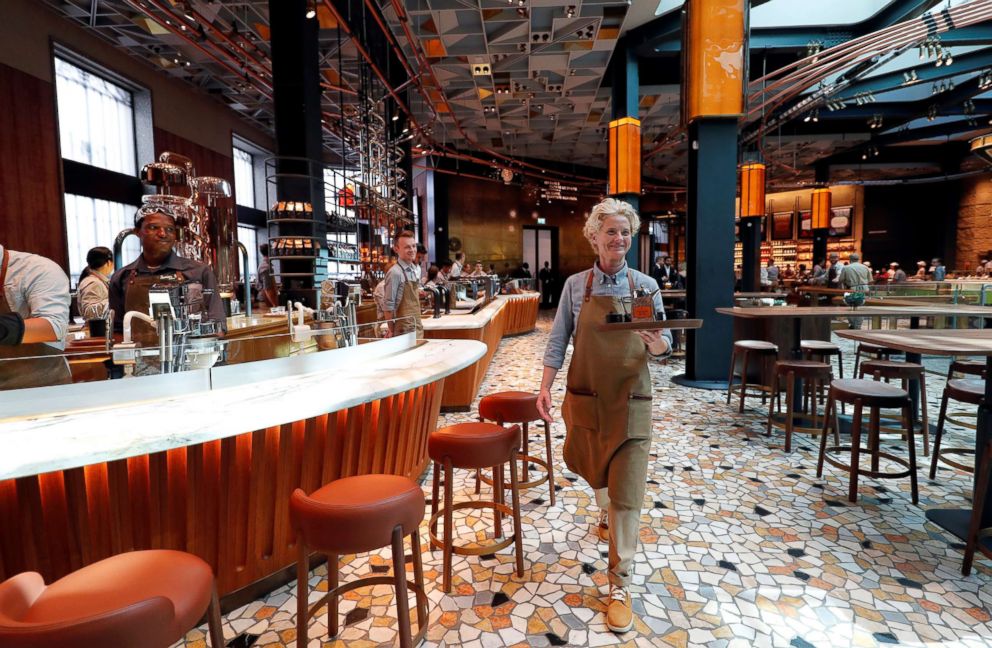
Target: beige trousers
(624,498)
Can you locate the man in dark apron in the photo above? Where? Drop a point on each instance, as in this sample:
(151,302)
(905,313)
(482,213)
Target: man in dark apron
(401,290)
(159,265)
(34,319)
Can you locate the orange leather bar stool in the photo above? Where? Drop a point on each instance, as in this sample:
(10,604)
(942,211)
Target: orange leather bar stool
(520,407)
(140,599)
(961,390)
(876,351)
(812,374)
(357,515)
(475,446)
(903,372)
(764,351)
(875,396)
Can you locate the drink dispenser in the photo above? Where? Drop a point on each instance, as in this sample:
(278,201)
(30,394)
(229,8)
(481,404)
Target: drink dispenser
(214,207)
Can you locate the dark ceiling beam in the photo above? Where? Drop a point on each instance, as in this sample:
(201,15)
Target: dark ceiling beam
(926,71)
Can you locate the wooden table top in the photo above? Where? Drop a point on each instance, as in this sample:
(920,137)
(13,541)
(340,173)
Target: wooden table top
(914,310)
(947,342)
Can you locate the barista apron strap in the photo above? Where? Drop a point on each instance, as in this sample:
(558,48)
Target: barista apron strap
(3,275)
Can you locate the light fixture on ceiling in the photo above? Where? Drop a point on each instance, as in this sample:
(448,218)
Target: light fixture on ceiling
(311,10)
(932,112)
(910,77)
(396,117)
(985,80)
(875,122)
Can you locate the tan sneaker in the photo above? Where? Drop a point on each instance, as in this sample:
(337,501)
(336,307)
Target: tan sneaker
(603,526)
(619,615)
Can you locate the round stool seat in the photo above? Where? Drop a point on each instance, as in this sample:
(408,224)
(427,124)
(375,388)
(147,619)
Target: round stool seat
(140,598)
(759,346)
(357,514)
(870,392)
(474,445)
(966,390)
(892,368)
(968,367)
(818,346)
(803,368)
(870,347)
(510,407)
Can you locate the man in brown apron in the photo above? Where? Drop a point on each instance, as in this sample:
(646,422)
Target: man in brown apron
(401,289)
(34,309)
(159,265)
(607,406)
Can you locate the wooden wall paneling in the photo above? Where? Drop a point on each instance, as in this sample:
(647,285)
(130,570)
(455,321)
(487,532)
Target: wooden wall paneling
(50,517)
(369,438)
(122,520)
(80,537)
(207,161)
(176,494)
(387,420)
(97,492)
(31,182)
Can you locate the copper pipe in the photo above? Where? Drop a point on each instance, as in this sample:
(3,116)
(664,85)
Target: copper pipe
(331,86)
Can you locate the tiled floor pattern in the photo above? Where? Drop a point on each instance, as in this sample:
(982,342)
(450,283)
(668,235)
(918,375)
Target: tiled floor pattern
(741,546)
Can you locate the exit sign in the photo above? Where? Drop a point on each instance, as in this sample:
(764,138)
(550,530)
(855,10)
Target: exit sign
(540,221)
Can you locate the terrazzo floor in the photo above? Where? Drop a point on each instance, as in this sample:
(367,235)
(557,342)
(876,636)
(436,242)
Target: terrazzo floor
(741,546)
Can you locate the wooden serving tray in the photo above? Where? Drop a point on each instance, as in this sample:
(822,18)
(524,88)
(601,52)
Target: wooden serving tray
(651,326)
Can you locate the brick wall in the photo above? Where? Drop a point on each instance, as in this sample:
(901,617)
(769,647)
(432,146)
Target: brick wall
(974,230)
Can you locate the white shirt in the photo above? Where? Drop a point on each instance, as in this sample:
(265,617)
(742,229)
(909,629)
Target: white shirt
(37,287)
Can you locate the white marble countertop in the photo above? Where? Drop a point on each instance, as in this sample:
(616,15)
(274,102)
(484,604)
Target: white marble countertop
(465,320)
(97,422)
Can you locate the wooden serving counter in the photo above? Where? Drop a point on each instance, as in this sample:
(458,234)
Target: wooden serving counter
(205,461)
(505,315)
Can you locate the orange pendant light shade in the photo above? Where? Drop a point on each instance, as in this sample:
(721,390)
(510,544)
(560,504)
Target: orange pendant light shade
(820,208)
(625,156)
(752,189)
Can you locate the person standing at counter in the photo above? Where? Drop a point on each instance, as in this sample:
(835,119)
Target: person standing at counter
(264,281)
(401,289)
(34,320)
(607,407)
(92,297)
(456,267)
(159,264)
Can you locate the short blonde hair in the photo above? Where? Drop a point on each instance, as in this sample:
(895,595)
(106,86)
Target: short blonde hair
(602,211)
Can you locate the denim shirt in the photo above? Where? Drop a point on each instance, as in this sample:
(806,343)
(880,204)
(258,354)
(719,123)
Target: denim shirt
(572,296)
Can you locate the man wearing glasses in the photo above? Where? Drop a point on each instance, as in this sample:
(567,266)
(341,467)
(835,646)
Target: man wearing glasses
(159,265)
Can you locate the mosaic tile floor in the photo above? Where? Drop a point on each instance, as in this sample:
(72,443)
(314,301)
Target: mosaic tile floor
(741,546)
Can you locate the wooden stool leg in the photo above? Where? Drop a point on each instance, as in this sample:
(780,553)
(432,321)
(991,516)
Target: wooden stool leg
(857,360)
(923,414)
(448,542)
(938,435)
(912,459)
(402,596)
(332,603)
(790,385)
(852,491)
(983,467)
(478,481)
(840,372)
(214,626)
(771,405)
(744,359)
(435,494)
(498,497)
(302,593)
(831,409)
(418,578)
(518,537)
(730,378)
(551,465)
(526,446)
(874,434)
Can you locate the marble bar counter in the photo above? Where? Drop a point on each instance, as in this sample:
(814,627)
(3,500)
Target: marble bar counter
(205,461)
(505,315)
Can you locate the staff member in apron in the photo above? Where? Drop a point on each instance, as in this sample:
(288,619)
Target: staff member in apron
(401,289)
(607,406)
(156,226)
(34,319)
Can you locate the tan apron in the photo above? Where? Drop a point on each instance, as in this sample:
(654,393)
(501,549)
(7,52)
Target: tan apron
(36,372)
(409,307)
(608,397)
(136,299)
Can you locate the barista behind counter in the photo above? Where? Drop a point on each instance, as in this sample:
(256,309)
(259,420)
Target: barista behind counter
(401,289)
(34,319)
(155,225)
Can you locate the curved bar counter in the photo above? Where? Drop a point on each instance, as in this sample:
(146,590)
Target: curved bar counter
(505,315)
(205,461)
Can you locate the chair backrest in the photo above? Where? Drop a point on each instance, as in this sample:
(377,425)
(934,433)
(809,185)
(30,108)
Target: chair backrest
(145,624)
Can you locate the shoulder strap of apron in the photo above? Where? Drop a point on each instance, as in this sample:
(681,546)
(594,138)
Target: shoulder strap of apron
(3,269)
(588,292)
(630,281)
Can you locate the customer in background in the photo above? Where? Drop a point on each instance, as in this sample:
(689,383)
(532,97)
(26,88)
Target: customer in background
(773,274)
(896,274)
(921,272)
(34,320)
(656,269)
(478,271)
(458,265)
(937,270)
(855,275)
(432,275)
(265,282)
(92,298)
(444,272)
(833,273)
(818,276)
(545,277)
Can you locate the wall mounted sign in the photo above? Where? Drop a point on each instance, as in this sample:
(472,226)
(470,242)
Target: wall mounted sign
(782,226)
(554,190)
(805,224)
(840,221)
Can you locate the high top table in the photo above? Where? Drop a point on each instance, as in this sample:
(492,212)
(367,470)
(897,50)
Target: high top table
(948,342)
